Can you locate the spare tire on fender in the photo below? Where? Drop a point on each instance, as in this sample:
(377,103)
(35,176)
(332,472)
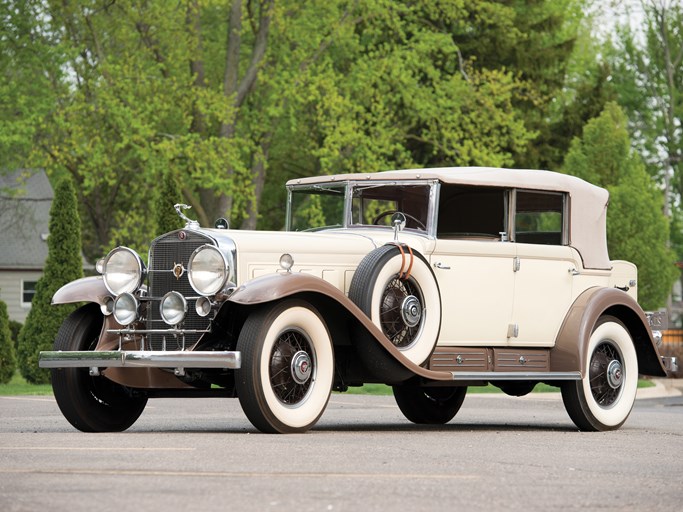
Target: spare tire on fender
(397,289)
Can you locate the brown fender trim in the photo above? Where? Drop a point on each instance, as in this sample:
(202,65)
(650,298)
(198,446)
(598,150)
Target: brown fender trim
(571,345)
(277,286)
(85,289)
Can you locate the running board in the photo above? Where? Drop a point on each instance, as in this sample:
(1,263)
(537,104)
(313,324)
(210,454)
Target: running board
(526,376)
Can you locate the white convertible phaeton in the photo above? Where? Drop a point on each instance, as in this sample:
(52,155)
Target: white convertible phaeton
(427,280)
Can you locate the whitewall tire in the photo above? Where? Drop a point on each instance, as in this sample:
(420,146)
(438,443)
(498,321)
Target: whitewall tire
(287,367)
(604,397)
(406,309)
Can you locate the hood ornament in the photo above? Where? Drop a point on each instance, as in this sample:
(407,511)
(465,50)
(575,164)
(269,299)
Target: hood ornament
(189,223)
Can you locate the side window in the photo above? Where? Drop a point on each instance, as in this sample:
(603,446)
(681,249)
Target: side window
(539,217)
(467,212)
(28,291)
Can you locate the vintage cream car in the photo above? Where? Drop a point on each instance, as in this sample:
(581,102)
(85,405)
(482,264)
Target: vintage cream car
(427,280)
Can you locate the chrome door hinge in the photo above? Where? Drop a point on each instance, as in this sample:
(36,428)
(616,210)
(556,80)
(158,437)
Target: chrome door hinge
(513,330)
(516,264)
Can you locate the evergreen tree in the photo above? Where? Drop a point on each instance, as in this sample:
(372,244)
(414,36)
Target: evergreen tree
(168,195)
(637,230)
(64,264)
(8,362)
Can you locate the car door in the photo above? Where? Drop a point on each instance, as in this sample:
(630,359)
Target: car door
(473,263)
(476,281)
(543,267)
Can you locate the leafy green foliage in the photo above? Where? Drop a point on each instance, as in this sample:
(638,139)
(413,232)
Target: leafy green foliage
(140,89)
(637,230)
(167,196)
(8,362)
(63,265)
(15,329)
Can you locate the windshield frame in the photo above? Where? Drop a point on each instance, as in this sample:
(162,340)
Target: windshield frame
(349,186)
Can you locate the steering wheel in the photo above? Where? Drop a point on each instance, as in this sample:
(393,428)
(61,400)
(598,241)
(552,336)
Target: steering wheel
(391,212)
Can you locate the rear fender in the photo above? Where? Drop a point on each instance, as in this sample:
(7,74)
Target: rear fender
(571,346)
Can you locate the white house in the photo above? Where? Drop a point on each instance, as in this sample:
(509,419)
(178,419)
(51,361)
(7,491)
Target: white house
(25,201)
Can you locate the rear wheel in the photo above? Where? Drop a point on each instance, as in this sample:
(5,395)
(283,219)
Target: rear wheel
(287,367)
(429,405)
(91,404)
(604,397)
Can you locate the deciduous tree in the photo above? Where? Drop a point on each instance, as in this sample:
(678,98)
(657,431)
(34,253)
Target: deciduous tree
(637,230)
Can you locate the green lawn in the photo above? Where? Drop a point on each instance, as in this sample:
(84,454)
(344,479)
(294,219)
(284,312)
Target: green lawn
(18,386)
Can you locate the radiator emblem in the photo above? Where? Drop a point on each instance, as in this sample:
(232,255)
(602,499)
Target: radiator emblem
(178,270)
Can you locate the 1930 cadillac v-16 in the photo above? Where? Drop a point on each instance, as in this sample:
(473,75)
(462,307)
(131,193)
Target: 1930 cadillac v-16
(427,280)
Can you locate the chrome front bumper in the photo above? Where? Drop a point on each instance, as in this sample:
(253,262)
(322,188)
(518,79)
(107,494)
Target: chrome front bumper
(140,359)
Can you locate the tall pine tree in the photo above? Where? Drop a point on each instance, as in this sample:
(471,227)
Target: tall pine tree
(8,361)
(64,264)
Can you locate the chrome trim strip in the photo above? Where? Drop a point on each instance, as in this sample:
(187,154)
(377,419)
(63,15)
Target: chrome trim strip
(140,359)
(172,332)
(538,376)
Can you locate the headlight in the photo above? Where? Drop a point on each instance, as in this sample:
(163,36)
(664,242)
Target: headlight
(207,270)
(125,309)
(122,271)
(173,308)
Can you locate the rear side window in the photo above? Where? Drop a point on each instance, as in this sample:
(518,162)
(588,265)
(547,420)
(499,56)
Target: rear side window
(540,217)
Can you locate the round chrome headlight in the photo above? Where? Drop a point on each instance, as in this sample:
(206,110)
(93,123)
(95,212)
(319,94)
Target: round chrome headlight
(207,270)
(173,308)
(125,309)
(203,306)
(122,271)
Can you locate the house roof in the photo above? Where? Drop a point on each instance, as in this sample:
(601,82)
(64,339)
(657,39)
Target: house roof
(25,201)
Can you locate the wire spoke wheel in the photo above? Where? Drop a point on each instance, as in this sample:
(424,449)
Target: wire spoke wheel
(402,311)
(606,374)
(604,397)
(292,367)
(287,367)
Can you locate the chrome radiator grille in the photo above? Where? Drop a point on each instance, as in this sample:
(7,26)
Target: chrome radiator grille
(168,251)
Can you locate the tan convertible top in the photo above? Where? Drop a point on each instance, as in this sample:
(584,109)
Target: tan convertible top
(588,203)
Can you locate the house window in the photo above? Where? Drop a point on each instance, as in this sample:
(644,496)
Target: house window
(28,291)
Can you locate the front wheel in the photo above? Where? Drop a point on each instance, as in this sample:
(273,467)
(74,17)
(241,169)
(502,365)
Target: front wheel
(287,367)
(429,406)
(604,397)
(91,404)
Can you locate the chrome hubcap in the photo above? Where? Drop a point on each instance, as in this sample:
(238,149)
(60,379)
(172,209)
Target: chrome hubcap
(615,374)
(411,311)
(301,367)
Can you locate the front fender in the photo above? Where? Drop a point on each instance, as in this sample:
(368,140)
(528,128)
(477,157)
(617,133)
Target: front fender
(278,286)
(571,346)
(85,289)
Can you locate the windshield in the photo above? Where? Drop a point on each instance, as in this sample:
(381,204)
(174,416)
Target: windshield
(316,207)
(323,206)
